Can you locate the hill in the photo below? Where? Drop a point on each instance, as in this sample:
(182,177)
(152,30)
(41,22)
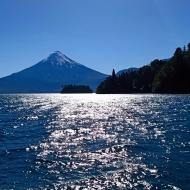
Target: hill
(129,70)
(160,76)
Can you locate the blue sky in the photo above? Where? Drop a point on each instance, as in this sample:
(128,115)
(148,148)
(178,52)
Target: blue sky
(101,34)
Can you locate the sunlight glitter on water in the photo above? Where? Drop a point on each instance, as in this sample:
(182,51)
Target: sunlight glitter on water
(87,136)
(100,141)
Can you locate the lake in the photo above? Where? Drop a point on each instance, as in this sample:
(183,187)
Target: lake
(57,141)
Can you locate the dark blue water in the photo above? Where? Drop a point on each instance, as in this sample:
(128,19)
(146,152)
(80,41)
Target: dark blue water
(94,141)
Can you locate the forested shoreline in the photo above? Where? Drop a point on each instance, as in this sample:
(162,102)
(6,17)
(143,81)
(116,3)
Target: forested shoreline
(160,76)
(76,89)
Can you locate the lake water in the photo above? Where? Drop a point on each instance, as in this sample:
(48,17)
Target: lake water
(54,141)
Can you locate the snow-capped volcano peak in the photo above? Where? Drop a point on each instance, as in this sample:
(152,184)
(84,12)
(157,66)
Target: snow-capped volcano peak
(49,75)
(58,58)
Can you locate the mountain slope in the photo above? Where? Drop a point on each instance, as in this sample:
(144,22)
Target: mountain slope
(49,75)
(129,70)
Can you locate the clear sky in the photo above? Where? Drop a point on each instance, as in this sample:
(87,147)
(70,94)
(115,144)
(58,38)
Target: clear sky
(101,34)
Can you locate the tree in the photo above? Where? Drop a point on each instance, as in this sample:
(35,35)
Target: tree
(113,74)
(178,52)
(188,46)
(184,49)
(160,76)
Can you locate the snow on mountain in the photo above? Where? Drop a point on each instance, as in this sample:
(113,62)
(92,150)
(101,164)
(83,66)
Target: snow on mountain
(49,75)
(57,58)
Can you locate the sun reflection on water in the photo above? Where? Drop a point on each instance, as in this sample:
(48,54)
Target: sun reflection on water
(90,142)
(94,141)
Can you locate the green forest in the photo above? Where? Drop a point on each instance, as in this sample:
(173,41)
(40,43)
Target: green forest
(160,76)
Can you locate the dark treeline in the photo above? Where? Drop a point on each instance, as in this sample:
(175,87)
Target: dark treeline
(76,89)
(160,76)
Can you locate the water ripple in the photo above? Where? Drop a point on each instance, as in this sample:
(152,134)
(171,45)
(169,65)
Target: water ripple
(94,141)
